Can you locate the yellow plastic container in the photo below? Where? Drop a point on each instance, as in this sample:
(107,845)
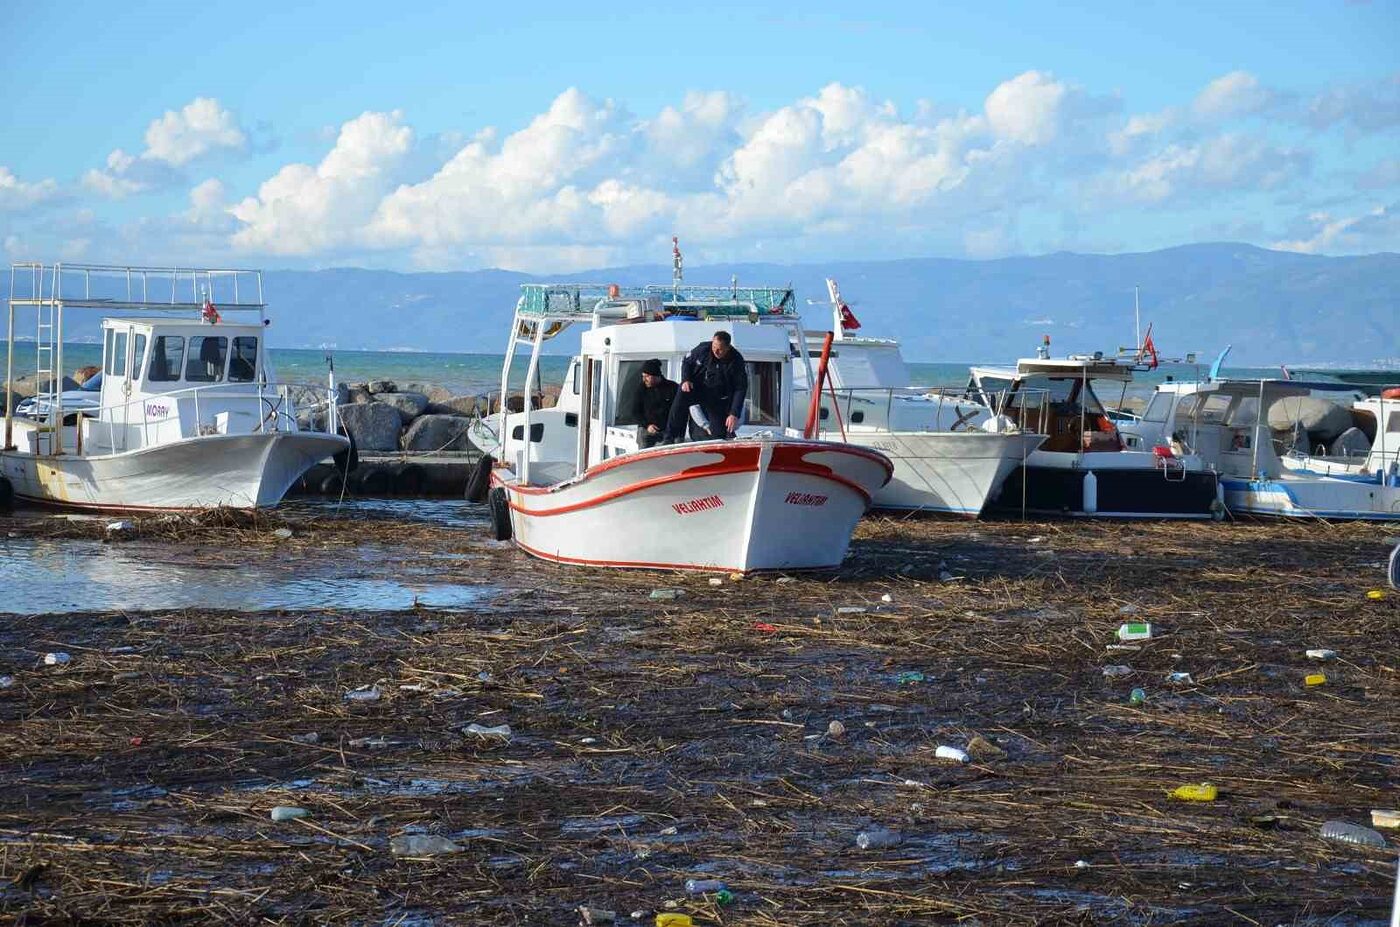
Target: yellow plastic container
(1375,595)
(1314,679)
(1203,792)
(672,919)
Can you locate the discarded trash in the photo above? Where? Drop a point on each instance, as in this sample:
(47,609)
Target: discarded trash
(724,896)
(952,754)
(851,610)
(887,598)
(120,529)
(423,845)
(310,737)
(589,916)
(1080,864)
(784,580)
(945,577)
(1118,647)
(704,886)
(282,533)
(1314,679)
(983,749)
(1111,671)
(1137,697)
(58,658)
(1135,631)
(716,581)
(666,595)
(1129,609)
(288,813)
(502,731)
(1180,679)
(1203,792)
(1390,819)
(764,627)
(1322,654)
(878,838)
(835,729)
(672,919)
(909,678)
(1343,832)
(1375,595)
(378,742)
(369,693)
(6,681)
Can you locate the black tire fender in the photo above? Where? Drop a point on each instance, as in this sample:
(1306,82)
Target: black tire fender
(500,513)
(479,483)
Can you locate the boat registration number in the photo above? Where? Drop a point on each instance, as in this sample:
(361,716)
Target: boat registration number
(805,498)
(703,504)
(158,409)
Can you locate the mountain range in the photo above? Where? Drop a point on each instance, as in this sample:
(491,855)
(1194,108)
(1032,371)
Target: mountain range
(1273,306)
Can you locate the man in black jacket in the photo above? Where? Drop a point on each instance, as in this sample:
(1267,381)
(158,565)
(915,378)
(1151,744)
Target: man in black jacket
(713,376)
(653,403)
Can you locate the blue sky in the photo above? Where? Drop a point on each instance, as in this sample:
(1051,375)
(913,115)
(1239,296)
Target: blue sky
(559,136)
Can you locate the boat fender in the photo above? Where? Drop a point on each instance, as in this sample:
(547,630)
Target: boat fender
(1091,493)
(500,513)
(479,483)
(7,494)
(333,484)
(409,480)
(347,460)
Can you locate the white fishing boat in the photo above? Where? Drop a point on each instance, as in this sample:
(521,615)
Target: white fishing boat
(951,454)
(189,414)
(1279,472)
(1086,467)
(574,483)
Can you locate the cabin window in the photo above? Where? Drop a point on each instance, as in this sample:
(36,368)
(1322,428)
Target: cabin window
(596,408)
(1214,408)
(629,392)
(1158,408)
(762,406)
(167,355)
(138,356)
(578,391)
(244,363)
(116,355)
(1392,423)
(1245,412)
(206,360)
(994,388)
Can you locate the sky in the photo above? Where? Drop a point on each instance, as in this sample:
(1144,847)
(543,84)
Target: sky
(566,136)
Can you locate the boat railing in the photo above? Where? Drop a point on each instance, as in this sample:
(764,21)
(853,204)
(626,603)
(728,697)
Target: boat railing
(282,407)
(963,412)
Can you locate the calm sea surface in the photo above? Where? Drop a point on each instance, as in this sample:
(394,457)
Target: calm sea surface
(480,373)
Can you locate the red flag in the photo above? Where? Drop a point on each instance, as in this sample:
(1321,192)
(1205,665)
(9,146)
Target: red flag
(849,322)
(1150,349)
(210,314)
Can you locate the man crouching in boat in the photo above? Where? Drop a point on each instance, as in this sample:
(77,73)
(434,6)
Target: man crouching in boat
(713,377)
(653,404)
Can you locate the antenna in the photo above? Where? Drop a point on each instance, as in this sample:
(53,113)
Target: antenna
(1137,322)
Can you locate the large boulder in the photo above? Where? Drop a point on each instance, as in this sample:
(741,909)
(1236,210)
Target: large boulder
(456,405)
(359,393)
(434,393)
(437,433)
(374,425)
(1351,443)
(1323,421)
(409,405)
(382,386)
(83,374)
(29,384)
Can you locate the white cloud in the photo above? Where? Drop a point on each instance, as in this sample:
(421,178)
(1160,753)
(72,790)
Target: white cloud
(1227,162)
(1231,96)
(175,139)
(303,210)
(200,127)
(16,194)
(1027,108)
(1374,229)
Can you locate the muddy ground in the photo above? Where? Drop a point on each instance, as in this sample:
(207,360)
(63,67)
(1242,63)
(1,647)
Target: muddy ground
(656,741)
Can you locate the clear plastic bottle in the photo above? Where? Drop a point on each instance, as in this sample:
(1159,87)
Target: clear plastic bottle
(1344,832)
(704,886)
(878,838)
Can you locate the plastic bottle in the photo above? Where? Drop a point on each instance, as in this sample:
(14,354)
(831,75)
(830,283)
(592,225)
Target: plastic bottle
(1111,671)
(1355,834)
(1322,654)
(422,845)
(952,754)
(1203,792)
(58,658)
(288,813)
(672,919)
(1180,679)
(878,838)
(704,886)
(1137,697)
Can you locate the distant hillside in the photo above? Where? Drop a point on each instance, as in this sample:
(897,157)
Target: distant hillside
(1273,306)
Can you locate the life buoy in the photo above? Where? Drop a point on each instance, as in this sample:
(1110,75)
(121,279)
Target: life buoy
(1391,392)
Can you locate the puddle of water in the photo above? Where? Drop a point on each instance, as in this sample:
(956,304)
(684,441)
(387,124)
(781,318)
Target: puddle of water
(68,576)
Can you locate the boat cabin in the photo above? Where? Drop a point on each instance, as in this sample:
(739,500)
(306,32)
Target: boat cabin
(1055,398)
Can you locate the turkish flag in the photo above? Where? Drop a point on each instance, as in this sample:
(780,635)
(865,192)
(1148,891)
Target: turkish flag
(849,322)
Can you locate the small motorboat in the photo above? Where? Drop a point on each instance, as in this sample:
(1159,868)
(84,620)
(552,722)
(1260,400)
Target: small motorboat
(574,484)
(188,414)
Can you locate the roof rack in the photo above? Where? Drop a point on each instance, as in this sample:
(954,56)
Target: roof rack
(125,288)
(577,300)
